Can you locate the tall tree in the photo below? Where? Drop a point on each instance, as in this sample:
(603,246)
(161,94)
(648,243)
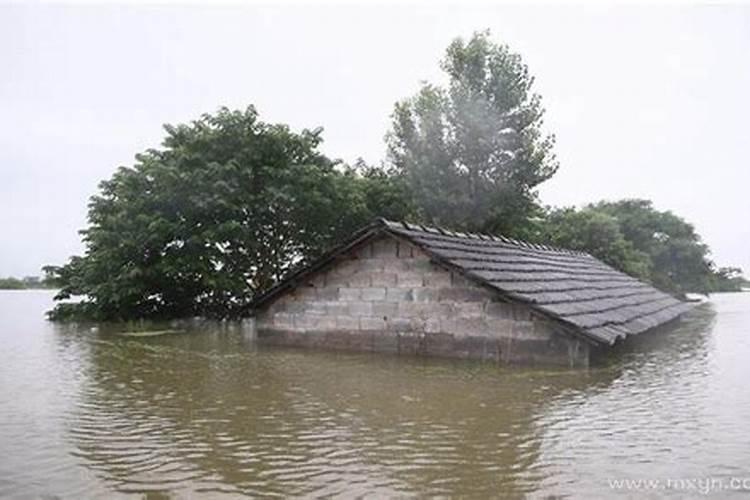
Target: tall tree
(473,152)
(200,226)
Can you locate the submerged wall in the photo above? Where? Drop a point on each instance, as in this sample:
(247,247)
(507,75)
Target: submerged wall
(387,296)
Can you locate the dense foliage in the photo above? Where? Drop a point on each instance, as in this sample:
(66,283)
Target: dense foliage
(729,279)
(472,153)
(631,235)
(223,210)
(25,283)
(597,233)
(11,283)
(230,204)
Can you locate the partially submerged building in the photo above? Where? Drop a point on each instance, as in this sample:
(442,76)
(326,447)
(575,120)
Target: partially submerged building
(410,289)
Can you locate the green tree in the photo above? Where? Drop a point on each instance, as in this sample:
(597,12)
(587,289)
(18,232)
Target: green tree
(226,207)
(472,153)
(631,235)
(386,191)
(11,284)
(729,279)
(597,233)
(680,259)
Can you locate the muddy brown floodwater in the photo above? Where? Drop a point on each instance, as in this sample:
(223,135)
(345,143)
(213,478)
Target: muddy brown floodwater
(91,413)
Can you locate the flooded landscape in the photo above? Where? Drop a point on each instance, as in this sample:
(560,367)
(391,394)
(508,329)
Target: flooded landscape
(91,413)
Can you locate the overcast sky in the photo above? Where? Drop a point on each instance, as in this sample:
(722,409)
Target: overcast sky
(645,102)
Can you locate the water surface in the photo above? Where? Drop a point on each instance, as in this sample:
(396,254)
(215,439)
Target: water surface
(90,413)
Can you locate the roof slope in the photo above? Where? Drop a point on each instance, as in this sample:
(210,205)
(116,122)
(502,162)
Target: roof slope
(571,287)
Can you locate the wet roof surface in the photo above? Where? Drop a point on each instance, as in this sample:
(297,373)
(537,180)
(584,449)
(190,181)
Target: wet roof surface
(570,286)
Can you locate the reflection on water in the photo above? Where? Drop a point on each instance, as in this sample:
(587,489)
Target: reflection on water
(92,413)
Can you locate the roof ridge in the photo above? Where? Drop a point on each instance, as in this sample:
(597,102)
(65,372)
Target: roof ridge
(443,231)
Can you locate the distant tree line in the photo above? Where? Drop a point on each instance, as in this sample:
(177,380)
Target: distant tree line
(25,283)
(229,204)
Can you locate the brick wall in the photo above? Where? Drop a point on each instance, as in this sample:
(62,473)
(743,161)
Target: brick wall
(387,295)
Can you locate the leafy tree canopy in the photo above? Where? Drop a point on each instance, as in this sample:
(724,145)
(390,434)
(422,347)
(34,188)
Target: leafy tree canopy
(11,283)
(729,279)
(473,152)
(597,233)
(226,207)
(680,258)
(631,235)
(25,283)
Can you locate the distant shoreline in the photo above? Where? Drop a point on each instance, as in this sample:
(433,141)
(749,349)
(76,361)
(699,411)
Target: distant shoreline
(26,283)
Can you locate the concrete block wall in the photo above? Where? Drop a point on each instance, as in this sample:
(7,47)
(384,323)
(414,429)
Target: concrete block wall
(386,295)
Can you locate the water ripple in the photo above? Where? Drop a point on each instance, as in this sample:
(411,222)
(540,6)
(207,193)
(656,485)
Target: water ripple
(97,414)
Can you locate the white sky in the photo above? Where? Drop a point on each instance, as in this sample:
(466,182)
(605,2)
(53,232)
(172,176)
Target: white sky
(645,102)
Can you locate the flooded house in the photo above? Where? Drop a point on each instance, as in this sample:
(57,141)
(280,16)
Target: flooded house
(403,288)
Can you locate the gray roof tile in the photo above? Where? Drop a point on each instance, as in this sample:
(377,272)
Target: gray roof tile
(570,286)
(574,288)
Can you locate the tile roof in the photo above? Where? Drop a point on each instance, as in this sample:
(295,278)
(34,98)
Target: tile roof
(572,287)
